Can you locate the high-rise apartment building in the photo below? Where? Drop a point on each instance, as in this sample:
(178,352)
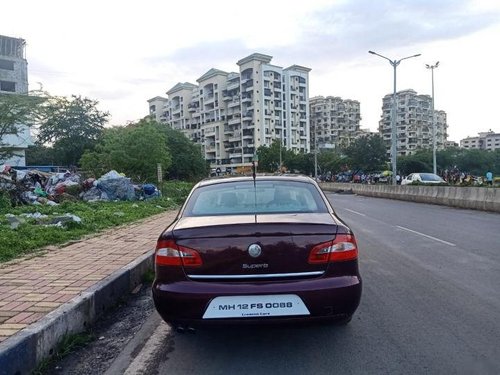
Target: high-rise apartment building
(484,141)
(158,107)
(413,122)
(233,114)
(334,122)
(14,80)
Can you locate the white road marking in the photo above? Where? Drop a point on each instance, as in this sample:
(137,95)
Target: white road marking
(426,235)
(354,212)
(157,339)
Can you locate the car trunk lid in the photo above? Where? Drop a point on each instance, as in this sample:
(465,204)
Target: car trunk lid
(284,240)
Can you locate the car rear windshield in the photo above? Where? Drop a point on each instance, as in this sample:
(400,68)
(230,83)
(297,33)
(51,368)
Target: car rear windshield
(266,197)
(430,177)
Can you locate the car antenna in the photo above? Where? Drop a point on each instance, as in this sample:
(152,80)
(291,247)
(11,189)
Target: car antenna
(254,173)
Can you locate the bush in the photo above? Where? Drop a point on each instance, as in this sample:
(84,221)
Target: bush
(177,190)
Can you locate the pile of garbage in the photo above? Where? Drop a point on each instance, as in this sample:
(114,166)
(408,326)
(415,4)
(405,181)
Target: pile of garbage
(37,187)
(58,221)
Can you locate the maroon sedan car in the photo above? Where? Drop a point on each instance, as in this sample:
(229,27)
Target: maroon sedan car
(245,250)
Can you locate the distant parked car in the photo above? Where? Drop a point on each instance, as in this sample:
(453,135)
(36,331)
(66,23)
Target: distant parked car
(256,251)
(423,178)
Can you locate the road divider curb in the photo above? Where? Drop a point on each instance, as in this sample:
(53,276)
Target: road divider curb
(477,198)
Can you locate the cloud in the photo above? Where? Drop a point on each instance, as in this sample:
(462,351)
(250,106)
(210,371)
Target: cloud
(345,31)
(190,63)
(336,34)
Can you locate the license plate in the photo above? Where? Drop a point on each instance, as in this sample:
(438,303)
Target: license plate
(255,306)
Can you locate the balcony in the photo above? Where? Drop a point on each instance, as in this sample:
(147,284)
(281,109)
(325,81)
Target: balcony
(246,98)
(208,97)
(209,132)
(235,102)
(245,78)
(248,136)
(247,116)
(236,137)
(234,121)
(248,84)
(210,149)
(232,85)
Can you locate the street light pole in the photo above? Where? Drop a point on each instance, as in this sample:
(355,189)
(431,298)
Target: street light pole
(434,164)
(394,64)
(315,155)
(281,144)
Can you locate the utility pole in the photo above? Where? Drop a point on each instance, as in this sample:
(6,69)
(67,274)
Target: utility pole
(394,64)
(434,164)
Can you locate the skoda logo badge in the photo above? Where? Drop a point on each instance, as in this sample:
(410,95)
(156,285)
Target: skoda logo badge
(254,250)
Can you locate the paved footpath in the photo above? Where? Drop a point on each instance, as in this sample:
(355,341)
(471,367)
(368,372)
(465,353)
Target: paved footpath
(33,287)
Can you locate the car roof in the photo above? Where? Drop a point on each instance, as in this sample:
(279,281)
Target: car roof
(258,177)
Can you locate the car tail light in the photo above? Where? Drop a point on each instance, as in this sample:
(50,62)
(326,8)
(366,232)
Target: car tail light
(342,248)
(168,253)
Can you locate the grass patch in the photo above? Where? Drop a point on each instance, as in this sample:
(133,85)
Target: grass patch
(148,276)
(29,237)
(66,346)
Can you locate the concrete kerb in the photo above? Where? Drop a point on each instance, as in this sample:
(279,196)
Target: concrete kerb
(477,198)
(21,353)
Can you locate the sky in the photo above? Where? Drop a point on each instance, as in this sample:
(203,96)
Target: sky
(122,53)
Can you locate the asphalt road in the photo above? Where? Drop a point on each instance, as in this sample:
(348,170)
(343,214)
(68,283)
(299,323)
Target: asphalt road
(430,305)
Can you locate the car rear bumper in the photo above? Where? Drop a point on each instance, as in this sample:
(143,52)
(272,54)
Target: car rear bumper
(327,298)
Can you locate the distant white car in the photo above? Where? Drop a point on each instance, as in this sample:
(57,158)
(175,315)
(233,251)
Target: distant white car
(423,178)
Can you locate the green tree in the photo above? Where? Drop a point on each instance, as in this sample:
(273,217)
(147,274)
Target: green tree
(72,126)
(496,162)
(134,150)
(367,153)
(187,160)
(330,161)
(447,158)
(476,162)
(300,163)
(41,155)
(269,157)
(421,161)
(16,110)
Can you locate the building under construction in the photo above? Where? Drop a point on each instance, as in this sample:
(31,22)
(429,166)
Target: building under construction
(14,80)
